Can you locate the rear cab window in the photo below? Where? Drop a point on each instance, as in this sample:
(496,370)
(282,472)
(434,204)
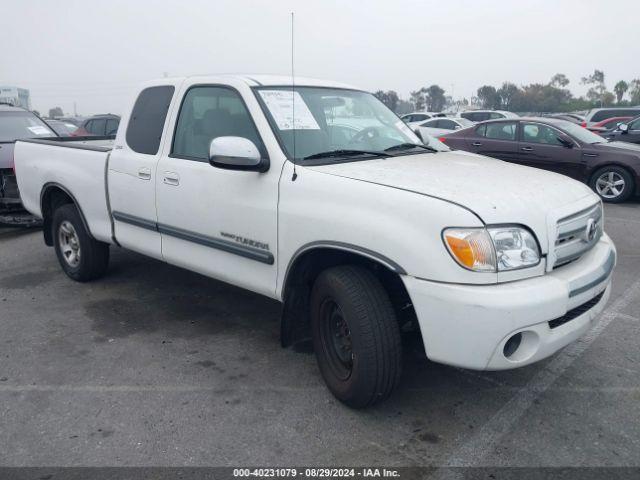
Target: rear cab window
(147,119)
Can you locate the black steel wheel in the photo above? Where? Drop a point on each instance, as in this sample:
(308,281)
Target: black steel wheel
(355,335)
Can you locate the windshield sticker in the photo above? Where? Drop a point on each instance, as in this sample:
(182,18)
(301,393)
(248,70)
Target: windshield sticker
(39,130)
(281,105)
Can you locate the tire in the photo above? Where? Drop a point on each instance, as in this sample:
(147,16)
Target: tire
(606,182)
(356,336)
(81,257)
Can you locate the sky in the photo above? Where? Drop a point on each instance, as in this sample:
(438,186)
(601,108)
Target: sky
(95,53)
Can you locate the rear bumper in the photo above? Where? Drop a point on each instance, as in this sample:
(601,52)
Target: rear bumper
(469,325)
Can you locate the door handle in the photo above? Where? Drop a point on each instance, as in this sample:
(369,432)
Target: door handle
(476,144)
(171,178)
(144,173)
(527,149)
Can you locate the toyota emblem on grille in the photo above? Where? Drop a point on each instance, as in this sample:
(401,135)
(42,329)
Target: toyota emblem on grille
(591,229)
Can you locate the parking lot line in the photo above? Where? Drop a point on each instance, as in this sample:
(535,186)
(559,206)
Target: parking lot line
(146,388)
(473,451)
(624,316)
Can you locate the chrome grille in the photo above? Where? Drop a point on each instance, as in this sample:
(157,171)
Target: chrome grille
(577,234)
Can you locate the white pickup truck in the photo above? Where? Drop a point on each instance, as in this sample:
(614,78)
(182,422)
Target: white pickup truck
(319,196)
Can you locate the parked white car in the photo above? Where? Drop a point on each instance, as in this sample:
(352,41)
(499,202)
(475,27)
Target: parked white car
(441,126)
(358,234)
(415,118)
(482,115)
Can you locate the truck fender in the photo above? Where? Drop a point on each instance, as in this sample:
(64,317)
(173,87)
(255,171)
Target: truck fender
(47,208)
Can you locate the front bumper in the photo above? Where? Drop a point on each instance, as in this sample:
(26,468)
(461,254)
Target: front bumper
(469,325)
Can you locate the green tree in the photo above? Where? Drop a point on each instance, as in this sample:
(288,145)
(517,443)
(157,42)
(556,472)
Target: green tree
(559,80)
(417,98)
(389,98)
(620,89)
(488,97)
(404,106)
(434,98)
(634,91)
(55,112)
(597,92)
(506,93)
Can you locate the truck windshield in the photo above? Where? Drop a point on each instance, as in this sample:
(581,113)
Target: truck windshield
(331,120)
(19,125)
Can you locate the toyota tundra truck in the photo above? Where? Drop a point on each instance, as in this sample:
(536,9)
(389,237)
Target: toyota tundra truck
(315,194)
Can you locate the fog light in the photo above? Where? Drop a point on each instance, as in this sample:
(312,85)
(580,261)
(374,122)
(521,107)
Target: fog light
(512,345)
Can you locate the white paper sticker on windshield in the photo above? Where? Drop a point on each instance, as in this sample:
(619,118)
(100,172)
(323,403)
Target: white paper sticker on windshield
(39,130)
(281,105)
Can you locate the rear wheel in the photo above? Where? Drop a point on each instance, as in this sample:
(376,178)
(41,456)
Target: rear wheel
(355,336)
(81,257)
(613,184)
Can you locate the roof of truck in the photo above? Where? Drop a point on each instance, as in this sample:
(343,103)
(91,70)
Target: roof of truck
(261,80)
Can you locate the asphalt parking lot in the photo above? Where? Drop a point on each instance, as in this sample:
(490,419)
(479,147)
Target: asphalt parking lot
(154,365)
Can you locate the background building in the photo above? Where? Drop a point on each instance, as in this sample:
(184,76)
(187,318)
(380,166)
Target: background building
(15,96)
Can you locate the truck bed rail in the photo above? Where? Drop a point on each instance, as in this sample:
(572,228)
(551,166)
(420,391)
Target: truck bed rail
(76,142)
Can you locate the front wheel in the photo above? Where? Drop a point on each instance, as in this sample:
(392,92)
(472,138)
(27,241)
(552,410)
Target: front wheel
(355,336)
(613,184)
(81,257)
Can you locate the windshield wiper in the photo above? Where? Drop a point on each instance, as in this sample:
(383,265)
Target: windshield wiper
(345,153)
(407,146)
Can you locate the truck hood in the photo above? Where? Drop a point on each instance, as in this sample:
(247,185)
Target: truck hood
(496,191)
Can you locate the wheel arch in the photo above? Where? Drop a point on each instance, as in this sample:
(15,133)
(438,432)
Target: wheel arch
(52,196)
(310,260)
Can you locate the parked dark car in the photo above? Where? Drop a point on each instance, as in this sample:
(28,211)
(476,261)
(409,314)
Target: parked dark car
(608,125)
(98,126)
(570,117)
(63,129)
(15,124)
(626,132)
(612,169)
(77,121)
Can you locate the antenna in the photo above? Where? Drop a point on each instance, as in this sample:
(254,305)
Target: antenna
(293,104)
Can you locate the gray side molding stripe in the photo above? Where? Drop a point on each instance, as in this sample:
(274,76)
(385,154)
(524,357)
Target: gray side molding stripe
(256,254)
(606,271)
(262,256)
(135,221)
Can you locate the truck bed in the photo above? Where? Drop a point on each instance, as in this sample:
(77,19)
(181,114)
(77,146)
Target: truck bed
(75,165)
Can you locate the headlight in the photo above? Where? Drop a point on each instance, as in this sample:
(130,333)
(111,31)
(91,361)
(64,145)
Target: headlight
(493,249)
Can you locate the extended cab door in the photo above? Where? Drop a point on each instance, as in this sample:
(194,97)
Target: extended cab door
(132,171)
(221,223)
(540,147)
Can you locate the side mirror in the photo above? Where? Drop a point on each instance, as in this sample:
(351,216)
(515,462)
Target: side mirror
(566,141)
(623,127)
(457,127)
(236,153)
